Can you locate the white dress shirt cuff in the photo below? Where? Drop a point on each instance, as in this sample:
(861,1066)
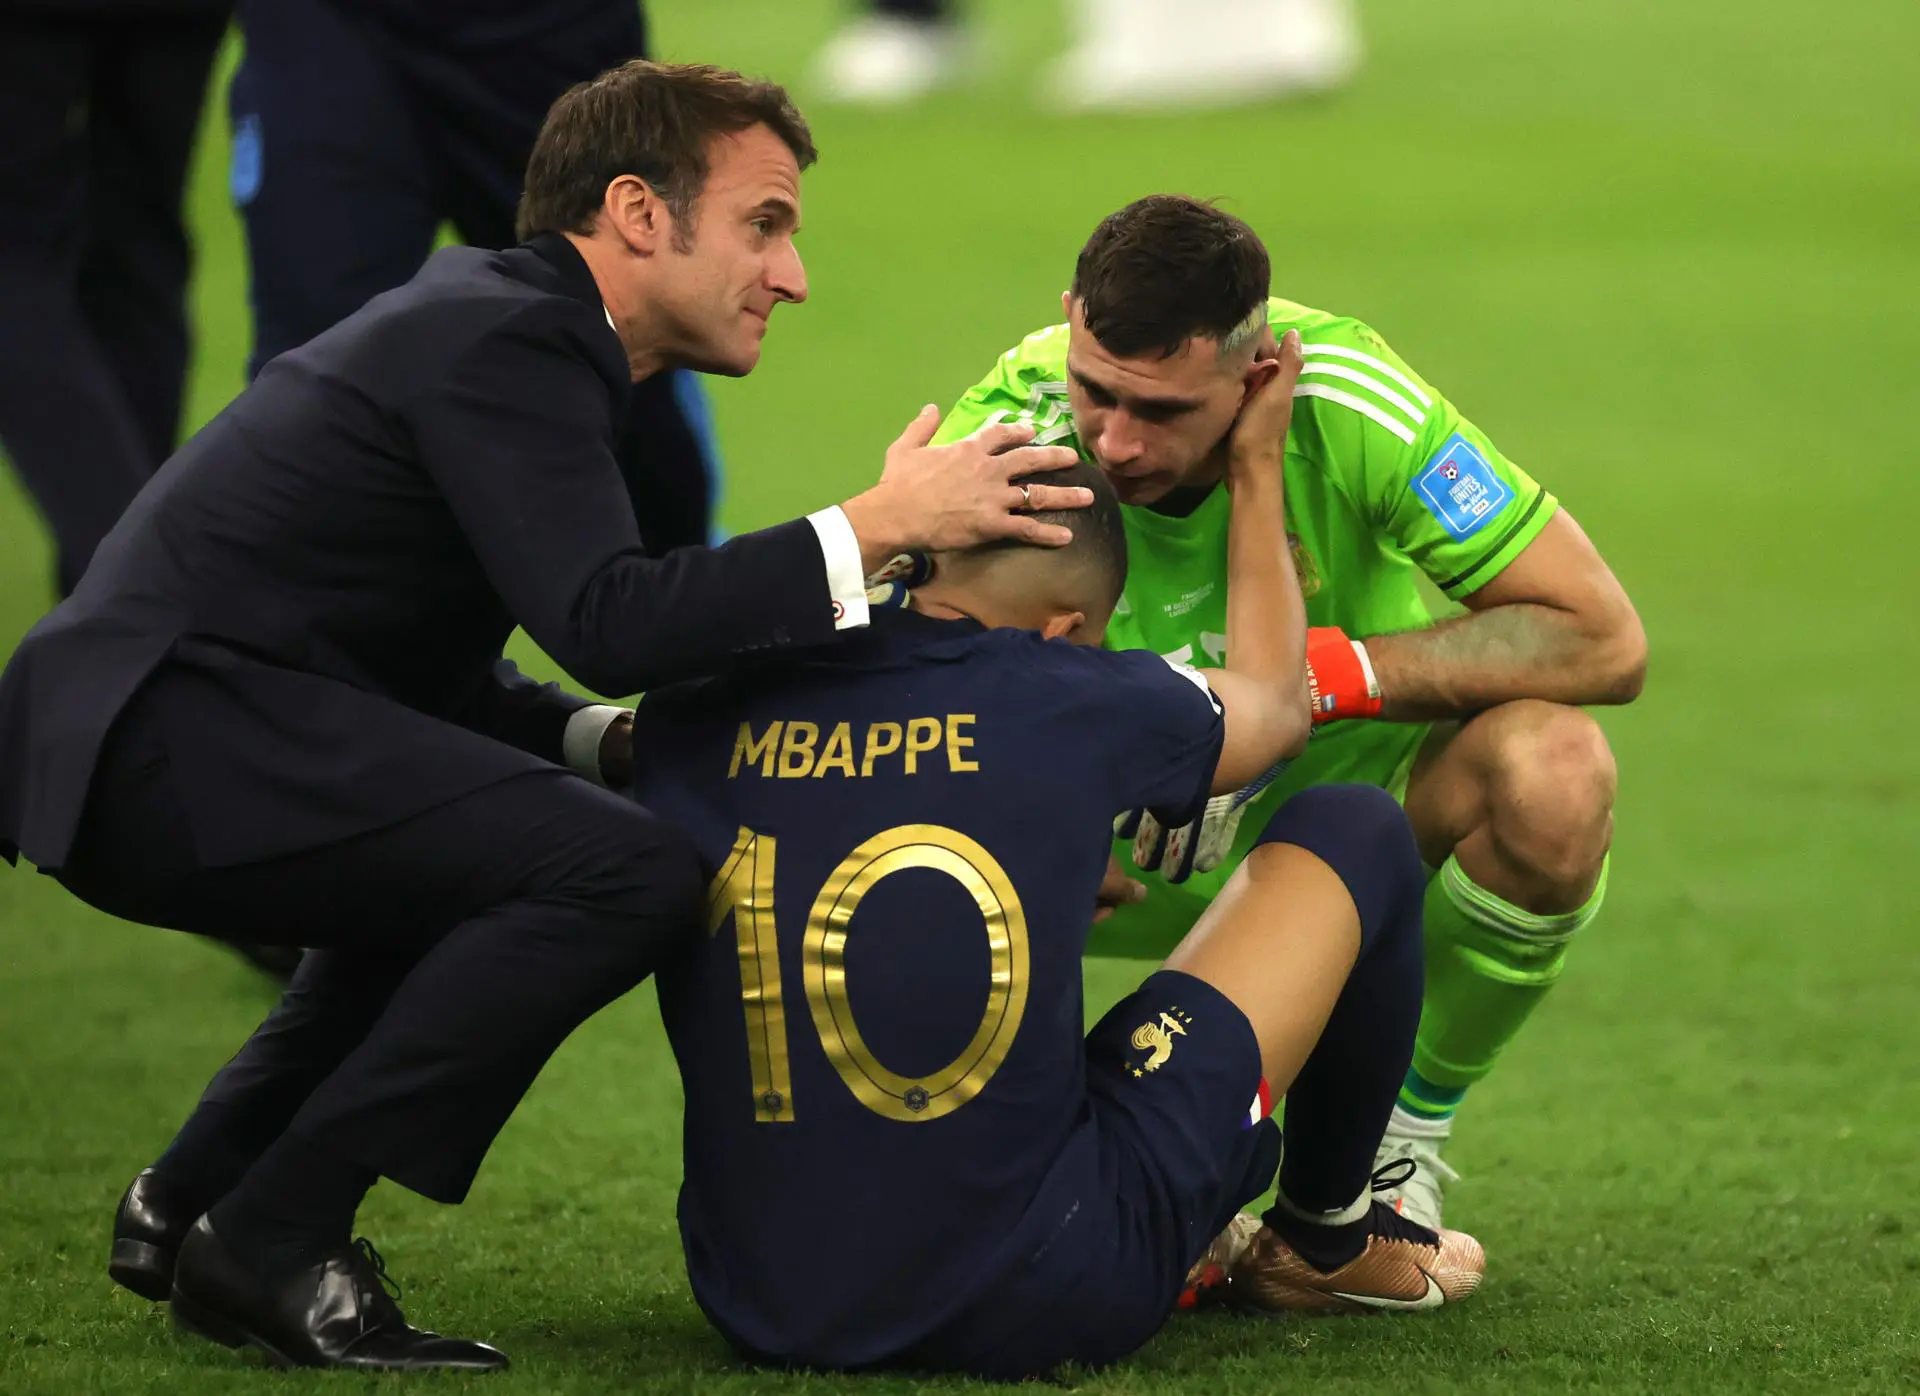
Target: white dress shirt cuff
(846,577)
(580,745)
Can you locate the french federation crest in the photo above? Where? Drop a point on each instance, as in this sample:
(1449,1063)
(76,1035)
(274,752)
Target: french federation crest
(1156,1039)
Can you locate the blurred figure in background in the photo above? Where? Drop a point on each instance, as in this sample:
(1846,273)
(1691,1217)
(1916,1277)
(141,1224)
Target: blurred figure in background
(100,102)
(896,51)
(360,126)
(1128,54)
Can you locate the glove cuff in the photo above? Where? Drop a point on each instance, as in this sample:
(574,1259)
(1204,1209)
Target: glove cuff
(1340,678)
(1372,681)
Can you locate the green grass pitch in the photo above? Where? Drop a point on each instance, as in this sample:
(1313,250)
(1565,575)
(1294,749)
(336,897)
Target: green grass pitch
(1667,254)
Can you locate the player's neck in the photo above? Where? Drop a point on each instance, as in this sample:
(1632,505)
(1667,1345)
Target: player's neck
(930,602)
(996,612)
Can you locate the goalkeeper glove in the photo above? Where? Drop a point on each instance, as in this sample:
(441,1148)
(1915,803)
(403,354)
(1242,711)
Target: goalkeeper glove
(892,586)
(1340,679)
(1198,846)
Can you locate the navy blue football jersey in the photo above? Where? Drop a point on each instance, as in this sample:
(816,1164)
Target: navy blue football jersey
(881,1033)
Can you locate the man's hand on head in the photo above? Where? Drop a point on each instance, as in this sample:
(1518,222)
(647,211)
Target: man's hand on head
(944,498)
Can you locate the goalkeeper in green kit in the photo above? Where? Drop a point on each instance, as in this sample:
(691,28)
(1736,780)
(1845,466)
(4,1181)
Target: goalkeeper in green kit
(1474,720)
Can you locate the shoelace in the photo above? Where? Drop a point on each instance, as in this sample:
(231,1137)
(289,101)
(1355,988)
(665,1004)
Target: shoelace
(1402,1170)
(377,1263)
(1386,1221)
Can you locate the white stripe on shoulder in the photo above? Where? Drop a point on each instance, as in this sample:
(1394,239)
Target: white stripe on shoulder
(1046,411)
(1340,351)
(1371,384)
(1358,404)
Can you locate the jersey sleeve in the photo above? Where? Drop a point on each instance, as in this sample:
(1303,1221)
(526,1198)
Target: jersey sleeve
(1163,728)
(1028,383)
(1418,470)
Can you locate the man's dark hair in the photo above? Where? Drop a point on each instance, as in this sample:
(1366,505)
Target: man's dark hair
(1167,268)
(1099,535)
(654,120)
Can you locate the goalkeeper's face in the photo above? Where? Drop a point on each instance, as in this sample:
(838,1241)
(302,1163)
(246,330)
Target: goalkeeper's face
(726,272)
(1153,424)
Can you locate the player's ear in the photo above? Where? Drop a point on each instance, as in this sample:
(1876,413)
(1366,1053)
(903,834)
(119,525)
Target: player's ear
(1065,625)
(1066,305)
(1258,373)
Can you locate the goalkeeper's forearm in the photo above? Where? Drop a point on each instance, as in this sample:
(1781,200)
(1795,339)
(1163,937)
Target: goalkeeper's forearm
(1263,683)
(1469,663)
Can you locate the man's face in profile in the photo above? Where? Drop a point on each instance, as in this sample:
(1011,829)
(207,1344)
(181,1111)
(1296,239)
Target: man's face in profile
(733,259)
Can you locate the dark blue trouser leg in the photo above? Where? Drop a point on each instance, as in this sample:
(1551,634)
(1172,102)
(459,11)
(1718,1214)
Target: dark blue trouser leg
(332,178)
(93,262)
(1339,1105)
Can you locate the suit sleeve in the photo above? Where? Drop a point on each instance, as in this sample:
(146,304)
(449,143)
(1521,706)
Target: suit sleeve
(510,707)
(518,438)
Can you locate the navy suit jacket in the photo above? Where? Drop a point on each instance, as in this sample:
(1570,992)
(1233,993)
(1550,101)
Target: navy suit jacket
(328,572)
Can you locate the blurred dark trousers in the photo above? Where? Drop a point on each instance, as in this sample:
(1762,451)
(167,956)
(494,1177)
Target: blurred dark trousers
(98,113)
(459,946)
(916,9)
(361,126)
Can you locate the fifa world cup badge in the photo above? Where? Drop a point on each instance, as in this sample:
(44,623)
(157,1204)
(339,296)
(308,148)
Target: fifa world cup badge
(1304,567)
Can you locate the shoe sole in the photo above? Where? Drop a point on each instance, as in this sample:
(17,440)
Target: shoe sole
(142,1267)
(190,1316)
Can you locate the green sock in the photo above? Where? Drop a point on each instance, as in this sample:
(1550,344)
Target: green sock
(1488,966)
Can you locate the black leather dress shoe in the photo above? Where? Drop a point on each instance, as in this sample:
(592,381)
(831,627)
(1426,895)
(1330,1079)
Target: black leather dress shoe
(147,1232)
(333,1314)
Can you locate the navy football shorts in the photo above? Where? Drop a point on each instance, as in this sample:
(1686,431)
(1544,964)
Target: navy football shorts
(1167,1152)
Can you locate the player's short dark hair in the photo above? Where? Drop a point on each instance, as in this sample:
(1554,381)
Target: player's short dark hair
(1099,535)
(1165,269)
(653,120)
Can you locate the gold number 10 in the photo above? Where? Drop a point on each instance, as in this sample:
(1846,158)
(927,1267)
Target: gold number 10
(744,891)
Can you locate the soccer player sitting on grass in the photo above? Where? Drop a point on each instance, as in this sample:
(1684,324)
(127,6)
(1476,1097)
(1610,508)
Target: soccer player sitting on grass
(1472,721)
(899,1147)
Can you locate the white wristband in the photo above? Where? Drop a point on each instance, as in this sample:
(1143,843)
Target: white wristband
(580,745)
(1366,667)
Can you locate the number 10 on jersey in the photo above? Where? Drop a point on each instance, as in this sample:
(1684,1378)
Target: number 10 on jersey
(744,890)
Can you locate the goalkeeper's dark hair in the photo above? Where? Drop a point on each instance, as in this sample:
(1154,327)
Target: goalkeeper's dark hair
(1167,268)
(1099,543)
(653,120)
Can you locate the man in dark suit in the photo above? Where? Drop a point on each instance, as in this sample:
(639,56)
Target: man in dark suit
(277,699)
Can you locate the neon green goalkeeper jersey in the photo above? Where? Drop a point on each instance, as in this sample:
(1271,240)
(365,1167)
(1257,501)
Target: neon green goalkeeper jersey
(1384,480)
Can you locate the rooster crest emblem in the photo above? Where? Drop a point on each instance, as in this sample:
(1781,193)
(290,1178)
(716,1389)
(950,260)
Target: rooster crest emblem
(1156,1039)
